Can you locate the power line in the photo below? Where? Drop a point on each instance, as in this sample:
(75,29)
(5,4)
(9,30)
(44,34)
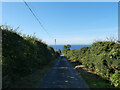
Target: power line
(37,18)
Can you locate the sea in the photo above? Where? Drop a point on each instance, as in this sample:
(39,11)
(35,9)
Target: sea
(72,46)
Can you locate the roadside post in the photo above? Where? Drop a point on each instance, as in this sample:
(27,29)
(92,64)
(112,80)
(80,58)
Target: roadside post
(55,45)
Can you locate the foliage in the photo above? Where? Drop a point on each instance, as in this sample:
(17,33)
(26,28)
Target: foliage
(66,48)
(103,57)
(21,55)
(59,51)
(115,79)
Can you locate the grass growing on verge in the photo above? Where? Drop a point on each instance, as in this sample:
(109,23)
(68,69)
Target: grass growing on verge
(91,78)
(33,80)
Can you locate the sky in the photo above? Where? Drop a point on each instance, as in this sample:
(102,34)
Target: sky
(67,22)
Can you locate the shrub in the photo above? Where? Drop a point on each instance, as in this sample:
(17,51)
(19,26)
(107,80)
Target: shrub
(22,55)
(103,57)
(115,79)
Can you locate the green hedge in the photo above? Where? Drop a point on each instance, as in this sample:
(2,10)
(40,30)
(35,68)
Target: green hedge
(103,57)
(21,55)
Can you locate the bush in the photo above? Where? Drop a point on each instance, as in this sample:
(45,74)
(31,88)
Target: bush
(22,55)
(103,57)
(115,79)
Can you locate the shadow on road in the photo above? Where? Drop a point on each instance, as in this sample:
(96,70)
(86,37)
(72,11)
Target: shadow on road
(62,75)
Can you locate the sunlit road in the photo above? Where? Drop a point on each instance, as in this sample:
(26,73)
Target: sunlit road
(62,75)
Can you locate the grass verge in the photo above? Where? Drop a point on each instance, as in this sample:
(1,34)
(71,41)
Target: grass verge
(91,78)
(33,80)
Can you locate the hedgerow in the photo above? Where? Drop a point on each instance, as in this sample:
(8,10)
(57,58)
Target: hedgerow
(22,55)
(103,57)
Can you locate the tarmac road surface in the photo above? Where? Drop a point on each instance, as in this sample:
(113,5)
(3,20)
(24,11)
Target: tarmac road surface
(62,75)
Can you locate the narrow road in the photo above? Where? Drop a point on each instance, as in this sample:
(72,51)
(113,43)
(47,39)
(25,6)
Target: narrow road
(62,75)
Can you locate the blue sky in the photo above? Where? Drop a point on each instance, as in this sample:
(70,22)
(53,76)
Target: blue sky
(67,22)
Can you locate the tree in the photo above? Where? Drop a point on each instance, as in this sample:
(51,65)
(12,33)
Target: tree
(59,51)
(66,48)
